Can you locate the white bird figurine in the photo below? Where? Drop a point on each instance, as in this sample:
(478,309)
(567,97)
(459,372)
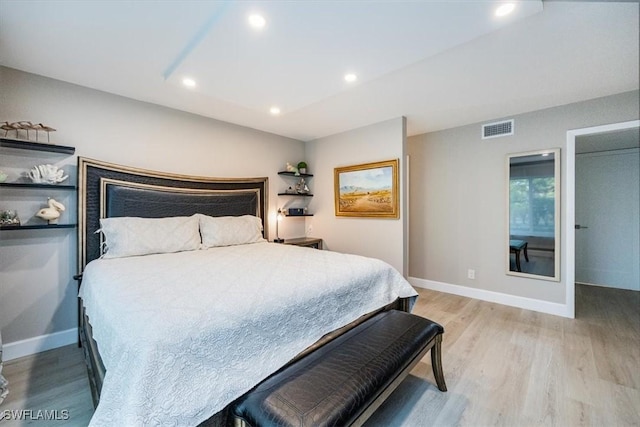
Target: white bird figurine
(52,213)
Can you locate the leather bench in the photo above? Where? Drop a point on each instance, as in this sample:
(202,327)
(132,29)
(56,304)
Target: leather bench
(343,382)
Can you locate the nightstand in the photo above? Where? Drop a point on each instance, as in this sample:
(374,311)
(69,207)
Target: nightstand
(309,242)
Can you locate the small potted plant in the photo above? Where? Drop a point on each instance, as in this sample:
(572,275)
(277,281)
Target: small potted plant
(302,167)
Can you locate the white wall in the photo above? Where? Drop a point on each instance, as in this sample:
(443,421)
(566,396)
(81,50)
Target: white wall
(458,202)
(37,293)
(373,237)
(607,201)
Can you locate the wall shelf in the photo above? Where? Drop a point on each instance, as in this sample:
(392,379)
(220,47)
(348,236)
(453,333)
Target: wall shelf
(7,144)
(35,227)
(302,175)
(21,144)
(34,185)
(295,194)
(301,180)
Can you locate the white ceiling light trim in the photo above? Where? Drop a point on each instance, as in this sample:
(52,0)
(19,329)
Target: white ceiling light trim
(189,82)
(275,110)
(350,77)
(505,9)
(257,21)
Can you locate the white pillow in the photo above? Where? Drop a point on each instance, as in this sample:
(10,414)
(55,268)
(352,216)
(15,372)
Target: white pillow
(230,230)
(130,236)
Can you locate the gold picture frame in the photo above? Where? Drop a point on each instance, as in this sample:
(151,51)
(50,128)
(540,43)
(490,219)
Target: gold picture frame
(369,190)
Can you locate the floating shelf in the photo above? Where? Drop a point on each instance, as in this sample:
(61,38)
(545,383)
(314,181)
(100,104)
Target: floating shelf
(302,175)
(295,194)
(293,216)
(34,185)
(21,144)
(36,227)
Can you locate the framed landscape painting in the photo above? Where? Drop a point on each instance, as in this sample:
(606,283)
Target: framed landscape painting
(367,190)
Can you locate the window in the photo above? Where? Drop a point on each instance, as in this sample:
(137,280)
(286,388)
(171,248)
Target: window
(531,202)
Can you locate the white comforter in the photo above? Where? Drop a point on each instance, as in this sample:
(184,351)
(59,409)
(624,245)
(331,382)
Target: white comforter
(182,335)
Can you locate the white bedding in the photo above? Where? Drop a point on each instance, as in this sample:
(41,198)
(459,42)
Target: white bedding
(182,335)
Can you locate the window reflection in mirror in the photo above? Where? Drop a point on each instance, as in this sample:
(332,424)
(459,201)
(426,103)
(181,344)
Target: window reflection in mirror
(533,214)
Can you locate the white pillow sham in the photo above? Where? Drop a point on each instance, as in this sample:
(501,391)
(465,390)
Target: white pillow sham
(130,236)
(230,230)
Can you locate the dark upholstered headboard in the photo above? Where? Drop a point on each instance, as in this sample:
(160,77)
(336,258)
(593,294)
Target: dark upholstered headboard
(107,190)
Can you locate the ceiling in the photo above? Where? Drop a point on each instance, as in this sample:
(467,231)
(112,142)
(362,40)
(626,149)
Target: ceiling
(439,63)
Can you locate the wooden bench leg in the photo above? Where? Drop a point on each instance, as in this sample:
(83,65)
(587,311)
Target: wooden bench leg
(436,363)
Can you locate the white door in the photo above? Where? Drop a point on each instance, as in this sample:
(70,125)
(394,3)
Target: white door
(607,203)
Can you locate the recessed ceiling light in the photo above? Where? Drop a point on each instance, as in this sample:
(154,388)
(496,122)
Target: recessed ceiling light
(505,9)
(257,21)
(188,82)
(274,110)
(350,77)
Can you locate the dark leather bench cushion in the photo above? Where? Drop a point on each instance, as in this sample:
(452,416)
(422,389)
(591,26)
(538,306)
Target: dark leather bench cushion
(335,383)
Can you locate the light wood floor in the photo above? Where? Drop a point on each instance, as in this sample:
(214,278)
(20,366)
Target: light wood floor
(503,366)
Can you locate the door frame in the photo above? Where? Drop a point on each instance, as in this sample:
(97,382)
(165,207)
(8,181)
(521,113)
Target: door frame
(569,243)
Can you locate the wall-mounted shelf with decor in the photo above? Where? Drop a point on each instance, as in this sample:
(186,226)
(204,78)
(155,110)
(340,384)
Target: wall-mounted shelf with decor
(27,185)
(299,176)
(296,194)
(303,175)
(21,144)
(37,149)
(35,227)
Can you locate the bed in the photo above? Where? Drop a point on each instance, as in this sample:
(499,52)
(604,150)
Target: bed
(172,336)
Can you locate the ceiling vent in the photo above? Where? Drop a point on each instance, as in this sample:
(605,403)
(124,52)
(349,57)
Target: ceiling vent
(494,130)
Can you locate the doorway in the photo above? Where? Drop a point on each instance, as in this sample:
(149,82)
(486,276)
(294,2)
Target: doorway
(581,136)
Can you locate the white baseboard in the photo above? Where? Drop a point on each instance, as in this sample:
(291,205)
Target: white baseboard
(484,295)
(13,350)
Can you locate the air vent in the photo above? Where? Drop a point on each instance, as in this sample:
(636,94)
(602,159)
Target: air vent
(494,130)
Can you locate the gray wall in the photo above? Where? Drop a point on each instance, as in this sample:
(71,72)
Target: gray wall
(373,237)
(457,194)
(37,293)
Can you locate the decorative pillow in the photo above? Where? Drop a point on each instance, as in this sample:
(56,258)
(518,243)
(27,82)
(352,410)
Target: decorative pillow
(230,230)
(129,236)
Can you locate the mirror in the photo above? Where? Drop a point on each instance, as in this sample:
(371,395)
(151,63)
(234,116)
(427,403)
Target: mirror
(533,206)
